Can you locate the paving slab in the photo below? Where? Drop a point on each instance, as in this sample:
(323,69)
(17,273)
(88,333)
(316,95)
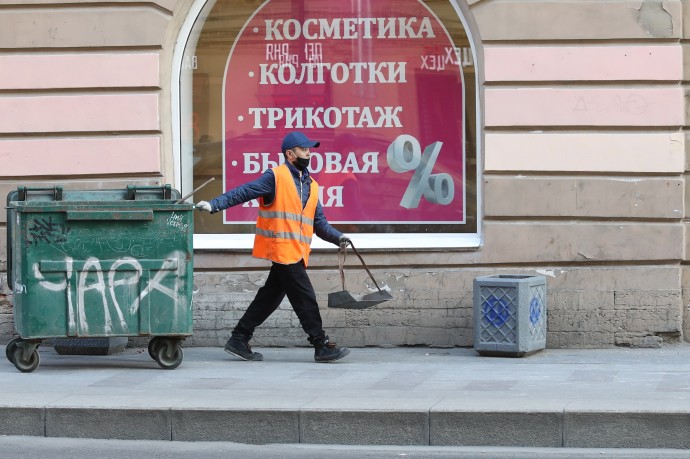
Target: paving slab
(599,398)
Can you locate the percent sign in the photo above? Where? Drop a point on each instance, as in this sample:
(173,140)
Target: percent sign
(405,155)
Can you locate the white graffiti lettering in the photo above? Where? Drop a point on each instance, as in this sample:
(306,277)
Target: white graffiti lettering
(107,278)
(177,221)
(19,288)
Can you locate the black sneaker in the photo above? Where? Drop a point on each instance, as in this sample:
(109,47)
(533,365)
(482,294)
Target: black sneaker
(241,349)
(328,352)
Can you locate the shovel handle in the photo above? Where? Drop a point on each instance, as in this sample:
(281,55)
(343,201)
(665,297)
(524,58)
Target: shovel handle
(341,266)
(185,197)
(365,267)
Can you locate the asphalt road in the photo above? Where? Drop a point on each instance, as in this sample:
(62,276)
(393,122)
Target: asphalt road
(75,448)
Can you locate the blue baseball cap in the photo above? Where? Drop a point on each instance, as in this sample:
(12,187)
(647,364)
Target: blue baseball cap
(297,139)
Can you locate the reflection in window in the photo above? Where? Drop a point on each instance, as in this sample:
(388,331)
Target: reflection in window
(388,87)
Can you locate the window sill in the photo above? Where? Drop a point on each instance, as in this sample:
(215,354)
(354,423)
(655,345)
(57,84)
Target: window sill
(361,241)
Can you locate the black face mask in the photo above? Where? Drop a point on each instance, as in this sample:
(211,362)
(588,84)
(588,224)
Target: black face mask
(301,163)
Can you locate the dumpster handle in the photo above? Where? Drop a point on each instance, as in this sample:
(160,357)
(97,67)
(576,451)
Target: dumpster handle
(124,215)
(23,192)
(165,190)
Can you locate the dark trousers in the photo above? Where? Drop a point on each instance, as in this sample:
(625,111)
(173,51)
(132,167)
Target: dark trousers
(290,280)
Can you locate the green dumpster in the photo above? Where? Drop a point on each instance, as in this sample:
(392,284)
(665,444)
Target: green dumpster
(100,263)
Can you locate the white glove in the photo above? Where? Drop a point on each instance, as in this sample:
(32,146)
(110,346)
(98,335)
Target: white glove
(344,241)
(203,205)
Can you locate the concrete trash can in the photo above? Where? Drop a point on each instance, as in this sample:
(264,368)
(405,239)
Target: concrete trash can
(509,315)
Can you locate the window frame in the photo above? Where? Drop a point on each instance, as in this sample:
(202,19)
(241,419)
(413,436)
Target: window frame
(182,165)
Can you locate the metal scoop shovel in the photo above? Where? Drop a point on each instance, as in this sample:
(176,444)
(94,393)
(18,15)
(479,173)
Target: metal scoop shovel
(345,300)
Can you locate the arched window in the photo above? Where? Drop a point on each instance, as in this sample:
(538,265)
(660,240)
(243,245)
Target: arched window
(389,88)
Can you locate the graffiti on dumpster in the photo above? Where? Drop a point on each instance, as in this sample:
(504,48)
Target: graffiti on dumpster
(134,241)
(177,221)
(46,231)
(105,284)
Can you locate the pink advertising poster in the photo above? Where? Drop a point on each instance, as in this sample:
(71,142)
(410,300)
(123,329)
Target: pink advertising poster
(379,86)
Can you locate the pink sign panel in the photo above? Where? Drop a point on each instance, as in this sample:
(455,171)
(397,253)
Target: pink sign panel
(380,87)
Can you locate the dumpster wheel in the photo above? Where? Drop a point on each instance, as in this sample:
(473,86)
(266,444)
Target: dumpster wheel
(11,347)
(167,353)
(154,344)
(26,366)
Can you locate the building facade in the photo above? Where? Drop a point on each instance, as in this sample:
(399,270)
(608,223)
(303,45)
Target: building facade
(555,131)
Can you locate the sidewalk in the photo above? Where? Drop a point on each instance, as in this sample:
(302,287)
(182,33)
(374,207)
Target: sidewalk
(612,398)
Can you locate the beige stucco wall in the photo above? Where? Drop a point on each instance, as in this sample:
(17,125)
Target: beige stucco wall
(584,165)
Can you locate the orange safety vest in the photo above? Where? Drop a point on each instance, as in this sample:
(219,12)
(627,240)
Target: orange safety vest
(284,229)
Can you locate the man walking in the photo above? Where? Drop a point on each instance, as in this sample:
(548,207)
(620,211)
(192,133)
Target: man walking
(289,214)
